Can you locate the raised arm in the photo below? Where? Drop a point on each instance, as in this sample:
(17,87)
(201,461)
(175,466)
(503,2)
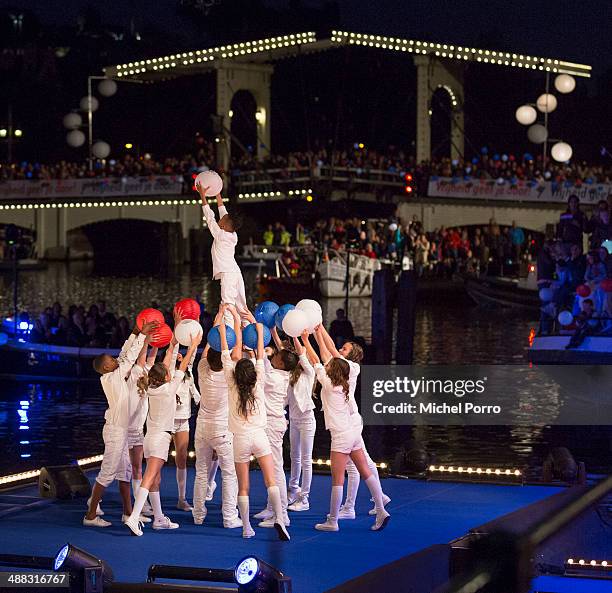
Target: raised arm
(133,350)
(237,350)
(277,341)
(171,355)
(326,355)
(152,356)
(312,355)
(142,356)
(188,358)
(299,349)
(329,343)
(221,206)
(209,215)
(260,341)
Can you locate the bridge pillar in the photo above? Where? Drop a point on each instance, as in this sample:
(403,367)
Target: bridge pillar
(51,233)
(231,78)
(431,75)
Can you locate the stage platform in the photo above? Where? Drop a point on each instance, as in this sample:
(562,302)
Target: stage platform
(423,513)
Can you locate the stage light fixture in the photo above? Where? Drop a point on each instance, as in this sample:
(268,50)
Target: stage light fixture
(87,573)
(253,575)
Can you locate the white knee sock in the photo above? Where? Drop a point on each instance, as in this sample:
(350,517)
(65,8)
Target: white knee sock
(274,501)
(351,487)
(334,502)
(243,508)
(212,472)
(140,499)
(373,484)
(181,480)
(156,504)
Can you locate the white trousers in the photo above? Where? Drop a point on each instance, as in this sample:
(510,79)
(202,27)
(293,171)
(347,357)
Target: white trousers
(116,463)
(207,441)
(301,437)
(232,293)
(275,436)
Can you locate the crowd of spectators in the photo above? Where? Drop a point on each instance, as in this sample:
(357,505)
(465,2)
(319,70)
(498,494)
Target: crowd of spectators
(87,327)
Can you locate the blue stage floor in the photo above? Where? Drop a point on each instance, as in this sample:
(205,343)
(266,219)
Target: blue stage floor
(423,513)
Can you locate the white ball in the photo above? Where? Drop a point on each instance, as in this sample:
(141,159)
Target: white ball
(84,104)
(212,180)
(75,138)
(107,87)
(565,83)
(565,318)
(561,152)
(306,304)
(537,133)
(546,103)
(393,227)
(295,322)
(185,329)
(72,121)
(526,115)
(101,149)
(314,317)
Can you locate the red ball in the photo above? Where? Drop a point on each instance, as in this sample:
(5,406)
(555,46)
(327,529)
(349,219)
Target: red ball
(606,285)
(583,291)
(188,309)
(161,336)
(148,315)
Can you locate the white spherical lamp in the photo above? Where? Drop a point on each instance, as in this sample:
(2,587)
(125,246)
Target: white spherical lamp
(212,180)
(537,133)
(72,121)
(561,152)
(75,138)
(526,115)
(101,149)
(107,87)
(546,103)
(86,102)
(565,83)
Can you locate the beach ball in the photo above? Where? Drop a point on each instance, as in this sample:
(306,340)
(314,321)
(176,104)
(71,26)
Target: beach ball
(161,336)
(565,318)
(606,285)
(148,315)
(546,294)
(280,315)
(212,180)
(266,312)
(185,329)
(295,322)
(249,336)
(583,291)
(188,309)
(214,339)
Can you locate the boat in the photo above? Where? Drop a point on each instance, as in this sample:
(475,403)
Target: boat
(518,293)
(552,350)
(259,256)
(23,265)
(332,273)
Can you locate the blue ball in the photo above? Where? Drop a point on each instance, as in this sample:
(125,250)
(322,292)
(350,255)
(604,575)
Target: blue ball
(3,338)
(475,160)
(265,313)
(214,339)
(280,315)
(249,336)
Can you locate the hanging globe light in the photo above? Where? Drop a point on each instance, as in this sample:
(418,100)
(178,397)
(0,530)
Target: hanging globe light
(85,103)
(75,138)
(561,152)
(546,103)
(526,115)
(101,149)
(537,133)
(107,87)
(72,121)
(565,83)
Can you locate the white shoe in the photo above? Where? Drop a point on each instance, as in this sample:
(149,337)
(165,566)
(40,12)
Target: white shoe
(265,514)
(164,523)
(210,491)
(183,505)
(269,523)
(293,496)
(97,522)
(232,523)
(386,501)
(142,519)
(134,525)
(346,512)
(248,532)
(199,519)
(301,504)
(282,532)
(147,511)
(382,518)
(329,525)
(99,511)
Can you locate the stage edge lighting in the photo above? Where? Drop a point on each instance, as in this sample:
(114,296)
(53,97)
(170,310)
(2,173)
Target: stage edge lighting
(87,573)
(256,576)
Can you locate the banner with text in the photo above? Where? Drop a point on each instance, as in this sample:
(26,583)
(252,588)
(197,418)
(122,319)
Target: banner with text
(92,188)
(522,191)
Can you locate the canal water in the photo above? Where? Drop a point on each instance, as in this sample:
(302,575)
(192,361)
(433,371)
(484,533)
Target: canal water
(55,422)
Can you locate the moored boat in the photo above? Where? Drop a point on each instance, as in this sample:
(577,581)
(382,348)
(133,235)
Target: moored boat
(553,350)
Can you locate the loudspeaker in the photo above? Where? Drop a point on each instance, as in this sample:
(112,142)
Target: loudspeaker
(63,481)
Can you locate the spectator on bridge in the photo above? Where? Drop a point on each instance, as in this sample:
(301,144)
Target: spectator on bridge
(600,225)
(268,236)
(517,238)
(572,223)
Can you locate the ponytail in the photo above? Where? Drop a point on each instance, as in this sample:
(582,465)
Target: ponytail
(155,378)
(143,385)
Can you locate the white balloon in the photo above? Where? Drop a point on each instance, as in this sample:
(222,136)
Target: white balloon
(212,180)
(107,87)
(526,115)
(561,152)
(72,121)
(101,149)
(295,322)
(185,329)
(565,318)
(546,103)
(314,318)
(75,138)
(305,304)
(84,104)
(393,227)
(537,133)
(565,83)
